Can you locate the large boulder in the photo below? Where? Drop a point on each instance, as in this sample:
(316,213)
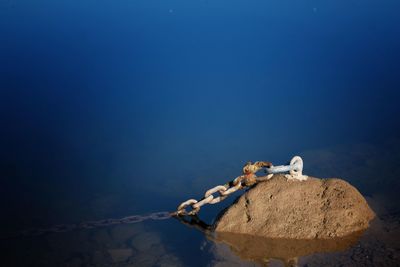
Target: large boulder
(292,209)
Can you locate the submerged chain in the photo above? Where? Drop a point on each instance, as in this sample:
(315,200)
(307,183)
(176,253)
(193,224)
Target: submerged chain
(95,224)
(248,179)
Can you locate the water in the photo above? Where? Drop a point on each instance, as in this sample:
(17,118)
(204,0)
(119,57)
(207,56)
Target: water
(116,108)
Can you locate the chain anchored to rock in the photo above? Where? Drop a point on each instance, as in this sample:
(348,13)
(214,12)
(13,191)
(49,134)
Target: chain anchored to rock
(249,178)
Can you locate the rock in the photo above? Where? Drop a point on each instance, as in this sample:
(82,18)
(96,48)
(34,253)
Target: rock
(119,255)
(121,233)
(292,209)
(101,236)
(74,262)
(169,261)
(99,258)
(150,257)
(145,241)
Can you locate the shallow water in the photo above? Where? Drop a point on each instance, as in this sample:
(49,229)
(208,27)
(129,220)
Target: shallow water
(110,109)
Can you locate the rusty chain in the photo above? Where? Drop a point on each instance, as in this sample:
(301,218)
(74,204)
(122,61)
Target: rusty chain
(224,191)
(248,179)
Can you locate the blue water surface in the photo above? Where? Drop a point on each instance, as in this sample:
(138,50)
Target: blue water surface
(113,108)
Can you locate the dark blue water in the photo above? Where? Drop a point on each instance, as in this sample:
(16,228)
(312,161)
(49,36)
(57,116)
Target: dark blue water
(114,108)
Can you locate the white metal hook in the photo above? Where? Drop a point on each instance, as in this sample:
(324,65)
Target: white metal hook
(296,170)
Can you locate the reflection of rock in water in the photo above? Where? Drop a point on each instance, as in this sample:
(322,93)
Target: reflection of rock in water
(261,249)
(377,246)
(267,251)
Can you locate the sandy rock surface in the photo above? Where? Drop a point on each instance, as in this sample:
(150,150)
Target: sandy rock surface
(281,208)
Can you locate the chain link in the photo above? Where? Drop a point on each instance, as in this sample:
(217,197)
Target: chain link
(246,180)
(223,190)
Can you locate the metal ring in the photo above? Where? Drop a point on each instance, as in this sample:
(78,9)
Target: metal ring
(232,189)
(181,207)
(218,188)
(205,200)
(238,180)
(217,199)
(297,165)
